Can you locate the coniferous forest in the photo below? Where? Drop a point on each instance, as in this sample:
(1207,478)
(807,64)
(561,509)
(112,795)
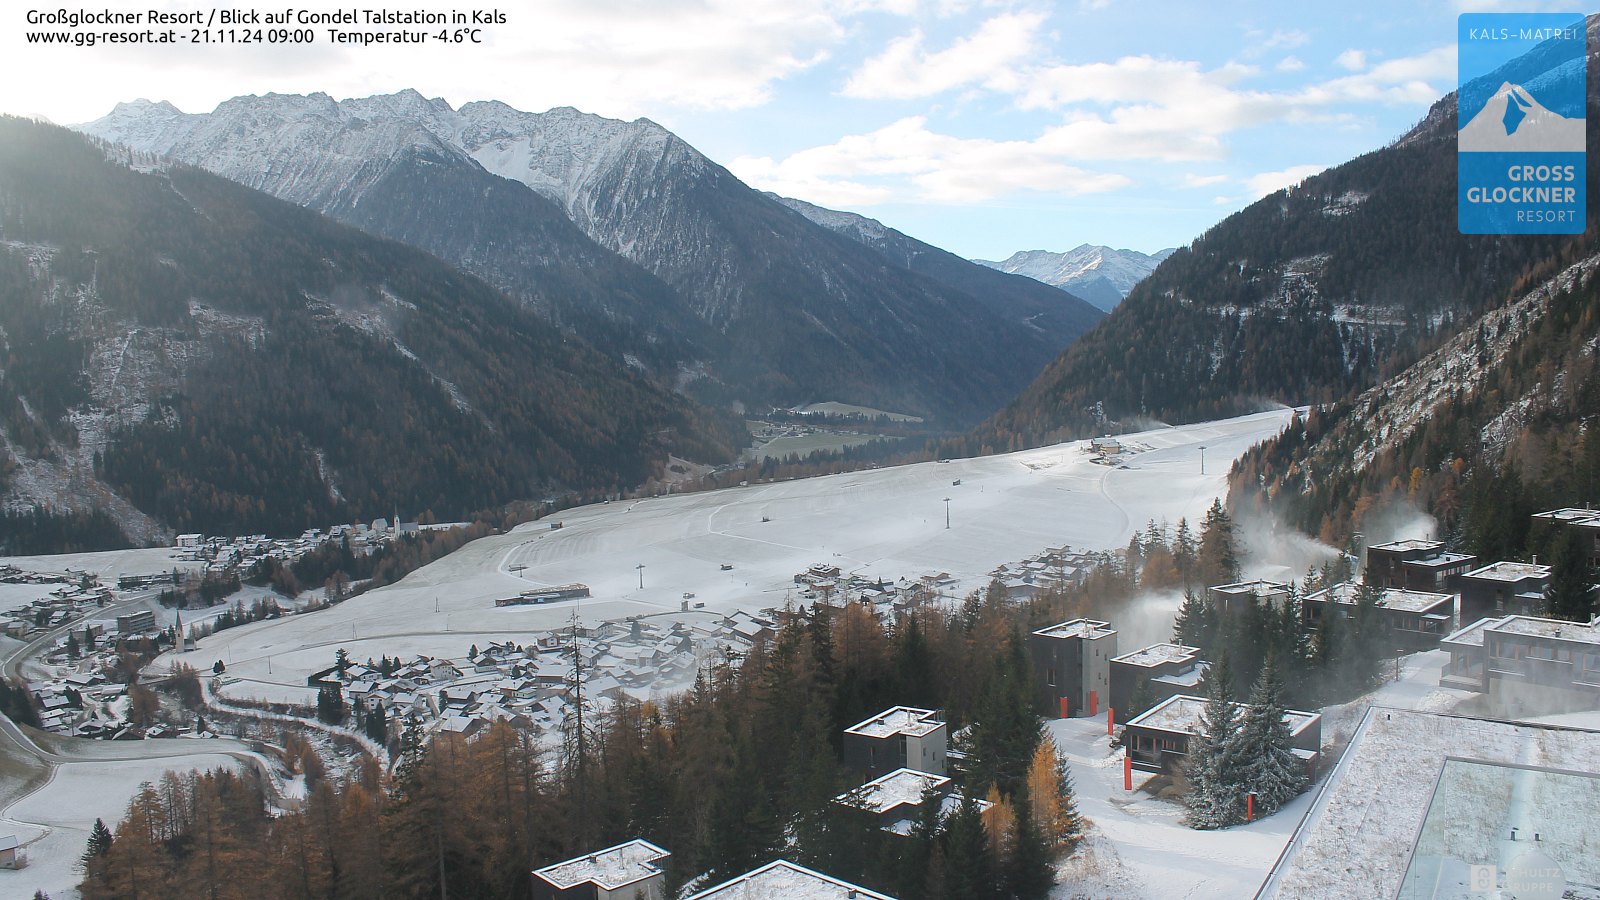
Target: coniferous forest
(741,769)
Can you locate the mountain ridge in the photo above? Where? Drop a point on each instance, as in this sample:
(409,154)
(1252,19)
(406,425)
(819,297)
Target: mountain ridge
(737,300)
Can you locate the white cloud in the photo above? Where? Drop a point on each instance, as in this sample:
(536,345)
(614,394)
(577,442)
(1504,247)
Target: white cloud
(614,57)
(1290,64)
(1192,180)
(1286,39)
(906,69)
(1352,59)
(1267,182)
(906,157)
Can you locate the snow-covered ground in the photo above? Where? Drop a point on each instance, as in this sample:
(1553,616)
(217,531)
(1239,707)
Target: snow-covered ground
(108,564)
(1139,847)
(888,522)
(57,818)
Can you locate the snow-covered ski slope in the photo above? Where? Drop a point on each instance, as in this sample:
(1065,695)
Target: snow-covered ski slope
(885,522)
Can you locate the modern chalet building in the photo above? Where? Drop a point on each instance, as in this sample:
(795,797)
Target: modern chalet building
(1416,565)
(1158,740)
(1072,666)
(631,871)
(1163,670)
(1503,588)
(1549,659)
(1233,597)
(902,737)
(1417,620)
(1587,523)
(784,880)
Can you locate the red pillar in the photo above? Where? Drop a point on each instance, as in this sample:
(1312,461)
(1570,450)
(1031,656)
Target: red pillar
(1250,807)
(1111,720)
(1094,702)
(1065,707)
(1127,771)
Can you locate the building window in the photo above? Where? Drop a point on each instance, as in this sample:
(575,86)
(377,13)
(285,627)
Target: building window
(1050,675)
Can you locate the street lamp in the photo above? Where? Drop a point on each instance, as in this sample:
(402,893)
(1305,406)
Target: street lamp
(1202,459)
(947,514)
(640,567)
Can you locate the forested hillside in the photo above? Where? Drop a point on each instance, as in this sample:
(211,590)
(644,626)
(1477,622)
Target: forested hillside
(1495,425)
(1309,294)
(187,353)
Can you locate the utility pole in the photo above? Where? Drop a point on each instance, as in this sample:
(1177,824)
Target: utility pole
(1202,459)
(640,567)
(947,514)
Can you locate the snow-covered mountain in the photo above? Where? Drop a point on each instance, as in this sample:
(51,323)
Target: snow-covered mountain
(629,236)
(1101,275)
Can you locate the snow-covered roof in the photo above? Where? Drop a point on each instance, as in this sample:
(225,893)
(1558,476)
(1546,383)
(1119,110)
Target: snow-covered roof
(1156,654)
(784,880)
(1078,628)
(1509,571)
(1441,560)
(1358,833)
(1571,515)
(1548,628)
(1403,546)
(1392,598)
(1260,587)
(1188,678)
(898,788)
(610,868)
(1183,714)
(1471,635)
(898,720)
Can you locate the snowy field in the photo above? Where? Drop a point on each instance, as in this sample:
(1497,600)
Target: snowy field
(56,819)
(886,522)
(109,564)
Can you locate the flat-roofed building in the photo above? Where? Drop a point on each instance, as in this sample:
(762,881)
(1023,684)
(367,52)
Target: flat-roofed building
(1153,674)
(1158,740)
(1416,565)
(1503,588)
(1232,597)
(895,800)
(1587,523)
(1547,663)
(784,880)
(1072,666)
(901,737)
(1417,620)
(631,871)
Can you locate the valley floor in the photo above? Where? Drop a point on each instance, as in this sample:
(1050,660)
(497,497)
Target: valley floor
(884,522)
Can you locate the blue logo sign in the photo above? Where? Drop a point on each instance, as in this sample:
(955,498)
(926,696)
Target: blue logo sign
(1521,136)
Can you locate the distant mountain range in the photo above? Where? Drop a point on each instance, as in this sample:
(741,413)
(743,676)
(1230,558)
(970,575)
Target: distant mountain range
(622,233)
(184,353)
(1101,275)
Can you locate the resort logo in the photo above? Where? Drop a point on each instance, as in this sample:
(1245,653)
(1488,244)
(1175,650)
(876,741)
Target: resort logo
(1520,117)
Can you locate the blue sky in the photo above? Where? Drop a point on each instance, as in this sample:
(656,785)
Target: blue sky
(982,126)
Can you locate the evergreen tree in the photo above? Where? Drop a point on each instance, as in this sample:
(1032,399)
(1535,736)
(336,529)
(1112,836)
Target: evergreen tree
(1264,746)
(1219,557)
(968,868)
(1196,624)
(1213,769)
(1030,873)
(99,841)
(1570,595)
